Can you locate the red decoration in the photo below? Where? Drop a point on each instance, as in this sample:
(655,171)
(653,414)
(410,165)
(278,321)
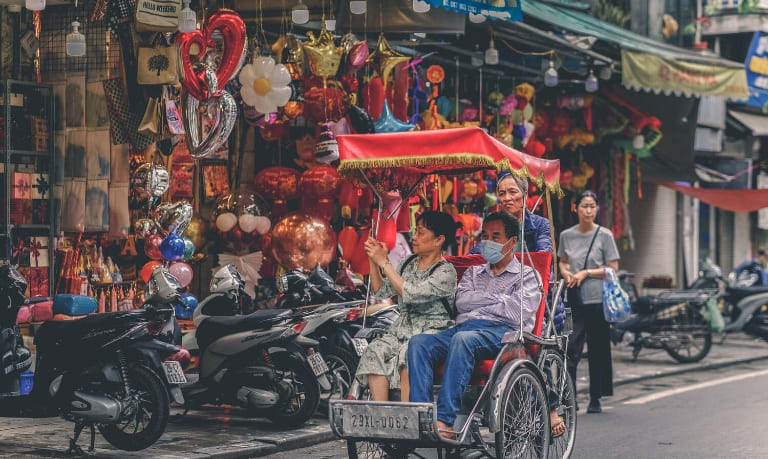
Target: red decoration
(349,198)
(232,29)
(373,97)
(435,74)
(359,260)
(348,239)
(387,232)
(278,184)
(319,186)
(324,104)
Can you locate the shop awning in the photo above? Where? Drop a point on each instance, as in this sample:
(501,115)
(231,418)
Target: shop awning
(649,64)
(758,124)
(731,200)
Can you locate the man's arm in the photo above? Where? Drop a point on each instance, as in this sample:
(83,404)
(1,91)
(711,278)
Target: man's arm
(543,236)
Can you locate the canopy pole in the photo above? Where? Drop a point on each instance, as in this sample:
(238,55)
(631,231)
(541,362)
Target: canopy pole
(552,233)
(374,233)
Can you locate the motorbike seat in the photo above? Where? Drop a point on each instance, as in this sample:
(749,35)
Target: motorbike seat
(737,294)
(213,328)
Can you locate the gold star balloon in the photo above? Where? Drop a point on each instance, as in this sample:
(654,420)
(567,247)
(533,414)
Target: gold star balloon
(323,55)
(384,59)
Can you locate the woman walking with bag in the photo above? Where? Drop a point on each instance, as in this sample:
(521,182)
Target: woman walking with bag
(584,251)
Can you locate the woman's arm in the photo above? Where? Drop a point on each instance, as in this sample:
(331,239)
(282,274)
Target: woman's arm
(565,271)
(599,273)
(376,280)
(393,277)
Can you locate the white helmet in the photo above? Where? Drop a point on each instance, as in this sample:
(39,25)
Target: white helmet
(162,287)
(227,280)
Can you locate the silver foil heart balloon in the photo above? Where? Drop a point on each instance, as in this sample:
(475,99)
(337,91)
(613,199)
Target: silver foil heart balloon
(222,109)
(174,217)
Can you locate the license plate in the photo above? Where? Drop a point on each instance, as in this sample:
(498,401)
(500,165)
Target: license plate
(318,364)
(372,421)
(360,345)
(173,373)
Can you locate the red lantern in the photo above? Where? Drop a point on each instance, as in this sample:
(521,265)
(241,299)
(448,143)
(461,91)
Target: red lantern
(387,232)
(373,97)
(348,241)
(359,260)
(404,219)
(349,198)
(278,184)
(318,187)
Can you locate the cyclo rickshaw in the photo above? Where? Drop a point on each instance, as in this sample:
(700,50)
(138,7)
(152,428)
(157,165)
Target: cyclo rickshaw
(505,409)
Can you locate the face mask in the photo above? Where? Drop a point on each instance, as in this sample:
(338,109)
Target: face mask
(492,251)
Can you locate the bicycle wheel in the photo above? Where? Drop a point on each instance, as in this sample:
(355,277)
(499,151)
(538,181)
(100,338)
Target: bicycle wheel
(689,338)
(560,384)
(525,431)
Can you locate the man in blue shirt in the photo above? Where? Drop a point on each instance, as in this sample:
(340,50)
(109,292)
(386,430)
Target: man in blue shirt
(755,266)
(488,306)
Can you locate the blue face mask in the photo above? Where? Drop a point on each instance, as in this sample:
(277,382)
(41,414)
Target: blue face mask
(492,251)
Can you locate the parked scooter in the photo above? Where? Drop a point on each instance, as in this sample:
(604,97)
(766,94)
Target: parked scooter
(89,371)
(673,320)
(258,361)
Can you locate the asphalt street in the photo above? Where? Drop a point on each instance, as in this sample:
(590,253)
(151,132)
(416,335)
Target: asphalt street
(713,414)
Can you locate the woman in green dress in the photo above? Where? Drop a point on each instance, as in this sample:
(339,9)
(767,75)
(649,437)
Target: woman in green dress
(425,285)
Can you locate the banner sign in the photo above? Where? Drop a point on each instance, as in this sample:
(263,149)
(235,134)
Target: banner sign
(506,10)
(648,71)
(757,71)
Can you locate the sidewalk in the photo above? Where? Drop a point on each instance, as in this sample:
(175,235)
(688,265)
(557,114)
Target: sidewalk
(222,432)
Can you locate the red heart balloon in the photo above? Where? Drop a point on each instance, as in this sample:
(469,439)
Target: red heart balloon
(232,29)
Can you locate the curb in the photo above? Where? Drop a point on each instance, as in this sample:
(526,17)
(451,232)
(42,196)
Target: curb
(263,447)
(710,366)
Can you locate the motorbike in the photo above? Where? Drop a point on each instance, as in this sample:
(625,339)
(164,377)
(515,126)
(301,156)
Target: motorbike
(258,361)
(673,320)
(91,371)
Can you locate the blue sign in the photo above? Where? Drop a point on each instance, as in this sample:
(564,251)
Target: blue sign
(505,10)
(757,71)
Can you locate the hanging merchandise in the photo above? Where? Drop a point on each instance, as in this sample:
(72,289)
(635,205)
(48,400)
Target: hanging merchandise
(265,84)
(173,217)
(75,43)
(326,148)
(323,55)
(158,64)
(302,241)
(387,122)
(230,27)
(220,108)
(150,180)
(319,188)
(278,184)
(384,59)
(157,15)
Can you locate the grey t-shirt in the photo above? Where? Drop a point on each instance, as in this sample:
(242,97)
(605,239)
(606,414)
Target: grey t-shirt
(574,246)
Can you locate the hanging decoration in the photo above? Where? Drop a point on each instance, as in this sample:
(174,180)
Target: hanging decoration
(265,84)
(384,59)
(387,122)
(323,55)
(221,110)
(231,28)
(326,148)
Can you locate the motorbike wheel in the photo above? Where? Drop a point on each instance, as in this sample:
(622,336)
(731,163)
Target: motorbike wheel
(342,365)
(142,428)
(696,347)
(305,391)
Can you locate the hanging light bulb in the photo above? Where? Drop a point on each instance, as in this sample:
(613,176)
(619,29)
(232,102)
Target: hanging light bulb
(550,76)
(75,41)
(300,13)
(591,84)
(491,54)
(638,141)
(330,25)
(477,57)
(476,18)
(420,6)
(187,19)
(358,6)
(35,5)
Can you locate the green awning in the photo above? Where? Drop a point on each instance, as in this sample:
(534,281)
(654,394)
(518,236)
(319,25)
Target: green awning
(584,24)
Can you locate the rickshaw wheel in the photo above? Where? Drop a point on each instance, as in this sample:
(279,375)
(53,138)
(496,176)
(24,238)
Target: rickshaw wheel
(562,384)
(525,431)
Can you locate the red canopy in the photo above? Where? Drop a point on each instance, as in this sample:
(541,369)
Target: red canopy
(732,200)
(415,153)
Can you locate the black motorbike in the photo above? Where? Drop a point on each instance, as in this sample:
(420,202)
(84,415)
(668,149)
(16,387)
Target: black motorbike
(90,371)
(674,320)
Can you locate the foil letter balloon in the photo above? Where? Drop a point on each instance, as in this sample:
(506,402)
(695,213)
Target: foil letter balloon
(302,241)
(151,180)
(231,28)
(220,107)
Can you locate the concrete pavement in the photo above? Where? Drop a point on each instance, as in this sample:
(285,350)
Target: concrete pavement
(224,432)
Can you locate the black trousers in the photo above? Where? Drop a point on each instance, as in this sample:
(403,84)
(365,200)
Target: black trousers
(589,325)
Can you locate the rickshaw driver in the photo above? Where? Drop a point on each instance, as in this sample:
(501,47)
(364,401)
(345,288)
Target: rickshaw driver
(488,306)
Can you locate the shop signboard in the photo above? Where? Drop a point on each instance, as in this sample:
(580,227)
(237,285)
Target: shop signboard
(506,10)
(757,71)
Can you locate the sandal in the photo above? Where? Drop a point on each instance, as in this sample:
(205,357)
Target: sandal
(559,427)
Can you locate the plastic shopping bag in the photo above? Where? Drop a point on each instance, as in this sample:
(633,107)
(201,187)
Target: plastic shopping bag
(616,305)
(716,321)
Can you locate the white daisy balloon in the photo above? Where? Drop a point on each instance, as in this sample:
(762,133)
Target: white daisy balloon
(265,84)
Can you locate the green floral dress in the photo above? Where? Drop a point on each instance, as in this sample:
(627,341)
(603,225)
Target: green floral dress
(421,311)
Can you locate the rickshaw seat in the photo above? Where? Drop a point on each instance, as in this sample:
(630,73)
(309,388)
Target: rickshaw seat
(542,262)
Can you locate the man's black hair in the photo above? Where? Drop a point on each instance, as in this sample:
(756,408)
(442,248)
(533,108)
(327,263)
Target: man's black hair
(511,225)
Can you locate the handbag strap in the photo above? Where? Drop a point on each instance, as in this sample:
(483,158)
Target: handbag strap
(597,230)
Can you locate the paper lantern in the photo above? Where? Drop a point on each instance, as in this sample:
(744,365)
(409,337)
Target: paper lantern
(319,186)
(349,198)
(278,184)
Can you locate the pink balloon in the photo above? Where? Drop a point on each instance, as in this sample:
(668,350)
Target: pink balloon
(182,272)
